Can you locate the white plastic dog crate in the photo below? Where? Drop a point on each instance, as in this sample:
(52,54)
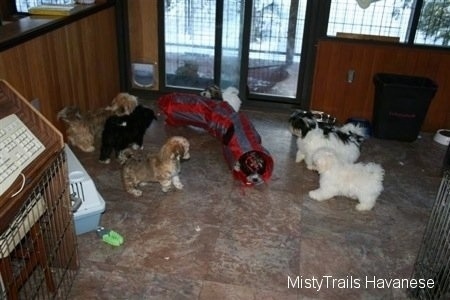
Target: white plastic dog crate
(87,216)
(433,260)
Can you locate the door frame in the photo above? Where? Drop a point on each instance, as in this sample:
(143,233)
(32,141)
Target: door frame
(316,20)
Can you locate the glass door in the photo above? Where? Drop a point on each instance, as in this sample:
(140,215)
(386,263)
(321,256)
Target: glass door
(189,43)
(254,46)
(275,44)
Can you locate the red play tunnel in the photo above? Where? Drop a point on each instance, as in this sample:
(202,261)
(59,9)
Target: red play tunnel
(249,161)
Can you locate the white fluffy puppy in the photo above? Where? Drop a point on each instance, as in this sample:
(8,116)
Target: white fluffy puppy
(347,147)
(360,181)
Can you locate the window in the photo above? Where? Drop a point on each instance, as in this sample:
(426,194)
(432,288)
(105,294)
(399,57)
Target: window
(393,18)
(434,23)
(385,18)
(23,5)
(13,10)
(256,44)
(190,43)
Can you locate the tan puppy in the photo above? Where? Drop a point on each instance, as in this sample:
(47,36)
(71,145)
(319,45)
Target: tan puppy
(123,104)
(163,167)
(83,129)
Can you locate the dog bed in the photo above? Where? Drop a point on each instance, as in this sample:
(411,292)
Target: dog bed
(249,161)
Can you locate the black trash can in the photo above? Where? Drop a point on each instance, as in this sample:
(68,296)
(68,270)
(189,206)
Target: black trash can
(400,106)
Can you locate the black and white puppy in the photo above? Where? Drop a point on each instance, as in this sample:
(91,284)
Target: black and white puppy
(212,92)
(120,132)
(302,121)
(316,130)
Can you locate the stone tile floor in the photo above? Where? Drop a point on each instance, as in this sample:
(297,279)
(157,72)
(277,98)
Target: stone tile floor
(219,240)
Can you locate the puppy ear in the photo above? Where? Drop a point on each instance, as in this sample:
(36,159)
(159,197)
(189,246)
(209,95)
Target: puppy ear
(178,151)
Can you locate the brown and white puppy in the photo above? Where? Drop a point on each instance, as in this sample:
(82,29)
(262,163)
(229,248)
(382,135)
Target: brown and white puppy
(163,167)
(83,129)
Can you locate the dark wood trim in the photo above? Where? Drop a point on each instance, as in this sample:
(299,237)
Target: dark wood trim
(123,44)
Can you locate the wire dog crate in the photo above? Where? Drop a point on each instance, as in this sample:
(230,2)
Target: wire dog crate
(38,254)
(433,260)
(38,246)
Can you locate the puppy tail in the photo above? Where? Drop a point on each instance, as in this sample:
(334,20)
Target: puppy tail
(231,90)
(230,95)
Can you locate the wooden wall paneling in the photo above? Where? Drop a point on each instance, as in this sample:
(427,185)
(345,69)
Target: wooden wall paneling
(92,66)
(65,86)
(96,66)
(365,80)
(37,61)
(76,64)
(339,88)
(319,93)
(143,33)
(438,115)
(109,68)
(343,100)
(352,105)
(11,70)
(331,87)
(356,106)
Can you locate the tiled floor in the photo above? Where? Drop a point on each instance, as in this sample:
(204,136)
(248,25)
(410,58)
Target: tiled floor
(218,240)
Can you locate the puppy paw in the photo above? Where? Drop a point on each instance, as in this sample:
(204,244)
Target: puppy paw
(166,185)
(135,192)
(135,146)
(316,195)
(312,195)
(178,185)
(122,158)
(299,157)
(310,167)
(363,207)
(106,161)
(88,149)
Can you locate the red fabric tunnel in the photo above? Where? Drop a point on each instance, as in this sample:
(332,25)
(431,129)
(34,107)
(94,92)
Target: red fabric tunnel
(249,161)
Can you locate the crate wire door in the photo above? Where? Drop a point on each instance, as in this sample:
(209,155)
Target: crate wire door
(433,260)
(43,232)
(24,227)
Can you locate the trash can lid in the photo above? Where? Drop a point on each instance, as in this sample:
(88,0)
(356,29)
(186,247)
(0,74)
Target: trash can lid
(404,80)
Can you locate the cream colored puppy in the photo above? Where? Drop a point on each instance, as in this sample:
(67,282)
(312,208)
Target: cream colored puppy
(360,181)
